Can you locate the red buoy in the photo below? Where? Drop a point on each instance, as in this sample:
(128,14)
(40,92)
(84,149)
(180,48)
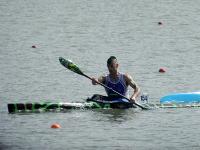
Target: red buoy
(55,126)
(160,23)
(162,70)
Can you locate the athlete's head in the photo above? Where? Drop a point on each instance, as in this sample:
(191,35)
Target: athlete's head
(112,64)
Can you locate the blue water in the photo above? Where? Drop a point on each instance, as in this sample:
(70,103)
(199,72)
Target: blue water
(88,32)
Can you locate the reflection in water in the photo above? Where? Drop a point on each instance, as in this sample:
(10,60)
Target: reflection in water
(116,115)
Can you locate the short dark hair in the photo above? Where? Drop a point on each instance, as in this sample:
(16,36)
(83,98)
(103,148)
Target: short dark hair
(110,59)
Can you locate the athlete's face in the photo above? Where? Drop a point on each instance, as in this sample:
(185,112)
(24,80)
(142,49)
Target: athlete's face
(113,67)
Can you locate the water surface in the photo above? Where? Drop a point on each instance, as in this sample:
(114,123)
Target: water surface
(88,32)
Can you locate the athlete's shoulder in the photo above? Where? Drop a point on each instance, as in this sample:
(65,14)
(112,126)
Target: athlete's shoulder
(127,77)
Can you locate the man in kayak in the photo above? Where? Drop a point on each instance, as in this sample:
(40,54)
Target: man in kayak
(117,81)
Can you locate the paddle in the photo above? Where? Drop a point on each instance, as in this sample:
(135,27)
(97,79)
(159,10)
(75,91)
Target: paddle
(71,66)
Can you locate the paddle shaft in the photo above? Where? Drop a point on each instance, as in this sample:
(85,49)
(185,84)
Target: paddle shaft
(114,91)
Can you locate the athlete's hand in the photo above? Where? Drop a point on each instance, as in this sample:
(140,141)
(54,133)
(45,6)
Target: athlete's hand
(94,81)
(133,100)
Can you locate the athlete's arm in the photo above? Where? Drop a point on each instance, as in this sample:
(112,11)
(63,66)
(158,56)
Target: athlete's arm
(129,80)
(101,79)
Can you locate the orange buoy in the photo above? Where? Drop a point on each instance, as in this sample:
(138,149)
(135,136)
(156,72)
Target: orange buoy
(162,70)
(55,126)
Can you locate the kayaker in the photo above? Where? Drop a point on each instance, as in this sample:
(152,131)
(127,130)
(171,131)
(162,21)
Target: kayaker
(117,81)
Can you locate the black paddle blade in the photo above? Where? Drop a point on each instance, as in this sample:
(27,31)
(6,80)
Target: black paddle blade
(70,65)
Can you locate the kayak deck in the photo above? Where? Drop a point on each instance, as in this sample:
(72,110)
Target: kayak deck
(45,107)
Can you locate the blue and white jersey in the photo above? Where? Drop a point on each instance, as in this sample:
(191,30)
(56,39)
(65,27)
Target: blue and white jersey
(119,86)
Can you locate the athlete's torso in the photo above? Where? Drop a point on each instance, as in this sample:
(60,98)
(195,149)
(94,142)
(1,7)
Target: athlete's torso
(118,85)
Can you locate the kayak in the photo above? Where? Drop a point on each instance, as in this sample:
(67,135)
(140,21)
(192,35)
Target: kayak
(181,98)
(95,102)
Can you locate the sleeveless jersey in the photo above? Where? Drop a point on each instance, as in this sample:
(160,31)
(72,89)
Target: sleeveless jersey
(119,86)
